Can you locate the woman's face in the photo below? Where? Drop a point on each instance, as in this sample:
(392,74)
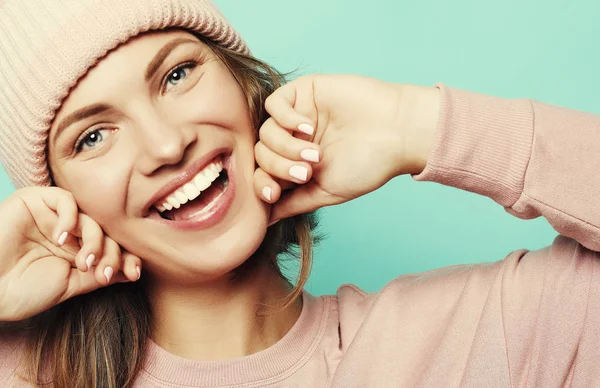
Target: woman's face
(149,128)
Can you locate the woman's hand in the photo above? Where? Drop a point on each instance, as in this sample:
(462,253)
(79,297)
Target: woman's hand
(52,252)
(332,138)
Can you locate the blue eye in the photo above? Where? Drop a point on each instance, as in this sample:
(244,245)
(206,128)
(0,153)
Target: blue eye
(91,139)
(177,74)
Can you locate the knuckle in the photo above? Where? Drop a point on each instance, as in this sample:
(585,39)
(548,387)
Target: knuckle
(27,193)
(111,249)
(258,147)
(271,166)
(131,258)
(292,148)
(67,195)
(261,152)
(27,190)
(95,244)
(265,128)
(86,226)
(269,101)
(93,228)
(67,203)
(261,174)
(112,244)
(258,177)
(262,132)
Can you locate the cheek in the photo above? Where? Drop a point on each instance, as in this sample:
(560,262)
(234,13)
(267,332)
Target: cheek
(99,187)
(218,99)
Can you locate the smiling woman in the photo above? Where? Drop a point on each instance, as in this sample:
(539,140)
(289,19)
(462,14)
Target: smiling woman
(163,171)
(157,139)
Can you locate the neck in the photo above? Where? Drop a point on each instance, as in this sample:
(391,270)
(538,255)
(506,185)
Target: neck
(222,319)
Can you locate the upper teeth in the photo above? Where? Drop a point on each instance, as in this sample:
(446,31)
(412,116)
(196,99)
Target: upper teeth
(192,189)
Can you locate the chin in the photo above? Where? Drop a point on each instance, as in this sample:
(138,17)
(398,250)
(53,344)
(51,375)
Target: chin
(234,247)
(195,258)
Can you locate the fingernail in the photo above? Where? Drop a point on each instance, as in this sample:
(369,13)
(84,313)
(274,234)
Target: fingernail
(310,155)
(139,271)
(90,260)
(108,272)
(299,172)
(63,237)
(306,128)
(273,222)
(266,192)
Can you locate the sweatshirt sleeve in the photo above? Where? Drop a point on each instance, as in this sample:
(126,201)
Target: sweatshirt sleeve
(532,158)
(530,320)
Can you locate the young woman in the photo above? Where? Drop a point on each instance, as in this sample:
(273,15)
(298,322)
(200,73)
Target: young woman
(139,135)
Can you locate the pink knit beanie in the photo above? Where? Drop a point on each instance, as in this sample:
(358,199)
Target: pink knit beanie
(46,46)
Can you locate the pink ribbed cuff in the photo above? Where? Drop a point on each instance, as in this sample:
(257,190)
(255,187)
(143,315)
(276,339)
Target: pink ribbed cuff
(482,144)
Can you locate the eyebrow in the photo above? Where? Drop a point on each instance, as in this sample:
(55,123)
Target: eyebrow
(162,54)
(152,68)
(81,114)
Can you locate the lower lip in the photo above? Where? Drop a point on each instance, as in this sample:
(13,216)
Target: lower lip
(218,210)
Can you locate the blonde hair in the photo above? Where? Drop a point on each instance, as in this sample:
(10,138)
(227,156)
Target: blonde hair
(98,340)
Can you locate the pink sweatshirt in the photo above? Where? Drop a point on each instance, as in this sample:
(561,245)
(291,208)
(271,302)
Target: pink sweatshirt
(530,320)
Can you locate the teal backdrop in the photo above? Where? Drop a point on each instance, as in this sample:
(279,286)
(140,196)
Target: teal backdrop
(545,50)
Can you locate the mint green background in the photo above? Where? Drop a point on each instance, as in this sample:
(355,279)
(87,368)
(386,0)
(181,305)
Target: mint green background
(546,50)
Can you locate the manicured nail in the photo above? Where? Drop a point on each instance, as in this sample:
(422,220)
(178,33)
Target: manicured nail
(108,272)
(63,237)
(90,260)
(310,155)
(266,192)
(139,271)
(306,128)
(273,222)
(299,172)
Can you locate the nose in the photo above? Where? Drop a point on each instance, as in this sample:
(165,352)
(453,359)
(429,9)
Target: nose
(161,142)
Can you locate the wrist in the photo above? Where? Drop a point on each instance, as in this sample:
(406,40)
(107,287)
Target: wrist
(418,114)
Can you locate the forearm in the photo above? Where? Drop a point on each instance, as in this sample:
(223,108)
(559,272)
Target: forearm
(534,159)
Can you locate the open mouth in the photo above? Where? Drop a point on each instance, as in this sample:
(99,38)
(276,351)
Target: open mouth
(198,197)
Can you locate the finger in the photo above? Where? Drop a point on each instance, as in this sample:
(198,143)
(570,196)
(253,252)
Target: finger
(110,262)
(281,106)
(279,167)
(132,265)
(303,199)
(84,282)
(63,203)
(282,142)
(46,220)
(42,204)
(67,211)
(92,238)
(265,187)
